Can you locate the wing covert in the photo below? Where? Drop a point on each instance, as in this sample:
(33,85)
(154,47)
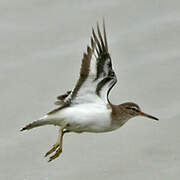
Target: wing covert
(97,76)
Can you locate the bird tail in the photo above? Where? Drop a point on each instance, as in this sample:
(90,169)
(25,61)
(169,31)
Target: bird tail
(40,122)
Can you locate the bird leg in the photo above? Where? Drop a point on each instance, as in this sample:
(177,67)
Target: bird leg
(58,145)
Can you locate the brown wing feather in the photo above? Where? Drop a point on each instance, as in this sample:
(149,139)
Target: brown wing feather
(84,68)
(84,71)
(104,77)
(103,58)
(104,71)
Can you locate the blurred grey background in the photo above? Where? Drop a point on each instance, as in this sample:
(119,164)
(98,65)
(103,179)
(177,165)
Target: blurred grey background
(41,44)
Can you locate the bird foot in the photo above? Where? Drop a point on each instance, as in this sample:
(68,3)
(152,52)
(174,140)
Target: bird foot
(57,153)
(57,148)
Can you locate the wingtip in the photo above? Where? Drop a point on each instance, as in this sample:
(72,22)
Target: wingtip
(93,32)
(97,24)
(88,49)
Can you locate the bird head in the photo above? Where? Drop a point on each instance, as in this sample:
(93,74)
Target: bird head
(132,109)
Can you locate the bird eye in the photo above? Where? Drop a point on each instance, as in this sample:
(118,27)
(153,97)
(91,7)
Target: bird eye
(134,109)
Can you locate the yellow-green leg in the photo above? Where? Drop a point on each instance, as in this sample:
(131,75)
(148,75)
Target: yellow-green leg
(58,146)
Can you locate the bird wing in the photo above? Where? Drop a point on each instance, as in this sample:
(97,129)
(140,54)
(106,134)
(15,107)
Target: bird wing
(97,76)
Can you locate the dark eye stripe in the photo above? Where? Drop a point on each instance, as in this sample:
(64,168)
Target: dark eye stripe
(134,109)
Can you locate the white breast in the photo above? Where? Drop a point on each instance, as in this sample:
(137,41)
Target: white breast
(87,117)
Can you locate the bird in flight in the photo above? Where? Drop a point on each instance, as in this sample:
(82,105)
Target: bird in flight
(87,107)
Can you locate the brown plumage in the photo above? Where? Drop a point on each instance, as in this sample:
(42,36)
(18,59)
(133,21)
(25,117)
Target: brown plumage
(87,107)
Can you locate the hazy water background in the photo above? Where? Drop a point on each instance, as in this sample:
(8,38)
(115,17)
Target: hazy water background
(41,45)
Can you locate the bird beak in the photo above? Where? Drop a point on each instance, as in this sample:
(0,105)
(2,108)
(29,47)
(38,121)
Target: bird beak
(149,116)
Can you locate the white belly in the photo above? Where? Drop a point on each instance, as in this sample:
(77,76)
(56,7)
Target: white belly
(87,118)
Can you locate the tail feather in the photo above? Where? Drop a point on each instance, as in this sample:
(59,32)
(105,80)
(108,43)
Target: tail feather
(38,123)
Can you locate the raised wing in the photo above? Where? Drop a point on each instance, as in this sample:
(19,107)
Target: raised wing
(97,76)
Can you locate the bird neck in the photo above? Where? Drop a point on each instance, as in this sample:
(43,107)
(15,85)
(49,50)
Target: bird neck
(118,115)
